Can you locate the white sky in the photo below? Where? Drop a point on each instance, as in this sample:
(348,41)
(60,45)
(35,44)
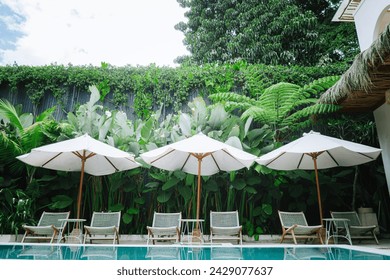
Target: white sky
(83,32)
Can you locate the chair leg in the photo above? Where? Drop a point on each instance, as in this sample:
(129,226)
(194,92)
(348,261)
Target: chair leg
(52,237)
(293,236)
(283,235)
(85,237)
(320,237)
(376,239)
(116,237)
(24,237)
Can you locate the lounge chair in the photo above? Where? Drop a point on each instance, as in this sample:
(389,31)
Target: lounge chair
(294,225)
(165,227)
(49,227)
(356,229)
(104,226)
(225,226)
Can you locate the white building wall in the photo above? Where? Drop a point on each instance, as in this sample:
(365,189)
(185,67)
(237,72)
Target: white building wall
(370,19)
(366,20)
(382,117)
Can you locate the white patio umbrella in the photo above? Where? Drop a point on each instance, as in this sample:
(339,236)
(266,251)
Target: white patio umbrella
(83,154)
(314,151)
(199,155)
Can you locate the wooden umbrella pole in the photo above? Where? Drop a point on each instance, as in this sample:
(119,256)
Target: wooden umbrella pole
(318,189)
(199,192)
(83,159)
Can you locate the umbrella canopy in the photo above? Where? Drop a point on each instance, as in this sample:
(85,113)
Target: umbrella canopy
(314,151)
(199,155)
(83,154)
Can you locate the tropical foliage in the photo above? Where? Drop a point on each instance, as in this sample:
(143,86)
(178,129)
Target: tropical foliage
(139,192)
(286,107)
(19,133)
(256,192)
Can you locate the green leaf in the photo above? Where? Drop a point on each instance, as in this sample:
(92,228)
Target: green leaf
(127,218)
(185,124)
(267,208)
(234,142)
(259,230)
(170,183)
(146,130)
(185,192)
(217,117)
(162,177)
(116,207)
(190,179)
(181,175)
(152,185)
(247,126)
(163,197)
(257,211)
(235,131)
(211,186)
(139,200)
(239,184)
(60,202)
(95,95)
(253,180)
(251,190)
(133,211)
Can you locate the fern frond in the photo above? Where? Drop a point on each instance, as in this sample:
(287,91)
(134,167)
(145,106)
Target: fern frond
(230,96)
(260,114)
(311,110)
(320,85)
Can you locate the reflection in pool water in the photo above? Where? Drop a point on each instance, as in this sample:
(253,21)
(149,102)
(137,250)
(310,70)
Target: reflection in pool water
(103,252)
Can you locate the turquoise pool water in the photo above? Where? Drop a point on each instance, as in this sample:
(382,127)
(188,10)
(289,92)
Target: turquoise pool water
(100,252)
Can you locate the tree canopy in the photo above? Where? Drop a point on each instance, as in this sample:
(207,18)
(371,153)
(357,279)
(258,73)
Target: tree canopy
(277,32)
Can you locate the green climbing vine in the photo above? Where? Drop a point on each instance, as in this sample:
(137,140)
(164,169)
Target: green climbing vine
(151,86)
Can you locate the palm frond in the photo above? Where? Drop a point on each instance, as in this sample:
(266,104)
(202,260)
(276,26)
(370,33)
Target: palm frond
(9,148)
(32,136)
(8,111)
(45,115)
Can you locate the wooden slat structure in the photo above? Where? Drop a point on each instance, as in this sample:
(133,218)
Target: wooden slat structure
(347,13)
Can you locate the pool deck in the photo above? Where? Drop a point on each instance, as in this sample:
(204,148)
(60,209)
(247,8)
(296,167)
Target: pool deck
(264,240)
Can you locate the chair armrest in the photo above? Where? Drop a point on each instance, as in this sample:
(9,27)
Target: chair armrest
(289,229)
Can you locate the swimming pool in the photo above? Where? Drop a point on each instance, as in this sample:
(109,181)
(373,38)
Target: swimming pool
(167,252)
